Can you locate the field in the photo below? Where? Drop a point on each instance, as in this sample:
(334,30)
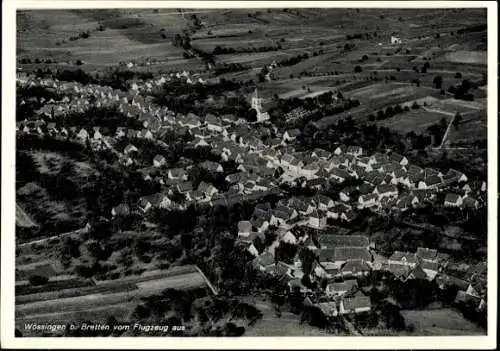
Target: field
(441,322)
(271,325)
(112,297)
(415,120)
(472,128)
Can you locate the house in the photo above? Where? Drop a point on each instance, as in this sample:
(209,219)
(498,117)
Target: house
(339,174)
(427,255)
(464,298)
(355,151)
(260,224)
(83,135)
(341,255)
(469,202)
(315,183)
(403,258)
(366,201)
(120,132)
(281,215)
(431,269)
(244,228)
(453,200)
(398,158)
(120,210)
(129,149)
(310,169)
(406,202)
(288,237)
(339,150)
(461,177)
(132,133)
(355,304)
(211,166)
(430,182)
(323,202)
(291,135)
(332,241)
(341,288)
(207,189)
(191,121)
(184,187)
(177,173)
(159,161)
(264,260)
(386,190)
(348,216)
(213,123)
(321,154)
(355,268)
(317,220)
(405,273)
(395,40)
(328,308)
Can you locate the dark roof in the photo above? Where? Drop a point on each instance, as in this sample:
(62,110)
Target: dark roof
(403,256)
(386,188)
(453,198)
(344,254)
(358,300)
(356,266)
(332,240)
(426,254)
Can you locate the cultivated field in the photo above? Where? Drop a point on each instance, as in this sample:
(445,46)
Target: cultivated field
(105,297)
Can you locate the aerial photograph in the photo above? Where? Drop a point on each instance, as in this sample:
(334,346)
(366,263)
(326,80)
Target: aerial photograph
(224,172)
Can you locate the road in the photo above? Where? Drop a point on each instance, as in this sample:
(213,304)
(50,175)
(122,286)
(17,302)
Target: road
(59,236)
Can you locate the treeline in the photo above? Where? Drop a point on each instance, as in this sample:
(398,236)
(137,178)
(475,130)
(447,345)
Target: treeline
(472,29)
(105,117)
(232,67)
(184,98)
(117,79)
(293,60)
(219,50)
(391,111)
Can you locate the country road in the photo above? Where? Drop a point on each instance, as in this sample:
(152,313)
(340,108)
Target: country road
(59,236)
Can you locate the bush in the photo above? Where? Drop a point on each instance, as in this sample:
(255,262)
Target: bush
(358,69)
(458,75)
(79,62)
(37,280)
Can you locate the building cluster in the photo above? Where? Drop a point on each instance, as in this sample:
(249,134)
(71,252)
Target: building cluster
(267,163)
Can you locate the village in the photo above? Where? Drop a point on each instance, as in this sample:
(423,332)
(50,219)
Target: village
(383,183)
(240,175)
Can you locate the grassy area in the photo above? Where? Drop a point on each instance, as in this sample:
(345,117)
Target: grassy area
(272,325)
(446,321)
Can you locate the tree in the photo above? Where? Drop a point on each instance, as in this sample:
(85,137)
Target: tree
(456,120)
(438,82)
(358,69)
